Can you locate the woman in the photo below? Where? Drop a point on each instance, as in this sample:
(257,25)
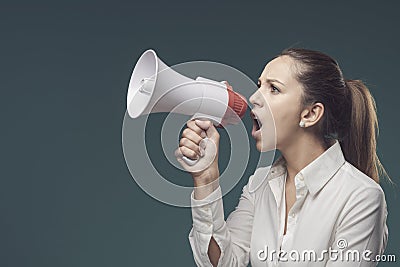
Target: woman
(320,203)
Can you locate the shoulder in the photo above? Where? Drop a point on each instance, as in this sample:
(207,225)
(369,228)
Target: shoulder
(354,187)
(355,180)
(362,197)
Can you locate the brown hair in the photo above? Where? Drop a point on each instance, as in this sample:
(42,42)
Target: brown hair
(349,108)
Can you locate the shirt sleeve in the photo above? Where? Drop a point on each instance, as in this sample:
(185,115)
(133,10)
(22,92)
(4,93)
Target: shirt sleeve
(362,230)
(232,236)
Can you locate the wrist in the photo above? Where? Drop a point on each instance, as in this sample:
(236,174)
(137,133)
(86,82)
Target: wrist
(206,177)
(201,190)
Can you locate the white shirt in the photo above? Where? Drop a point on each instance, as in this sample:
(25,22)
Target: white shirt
(337,208)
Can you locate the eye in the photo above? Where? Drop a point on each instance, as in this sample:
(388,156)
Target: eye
(274,89)
(258,84)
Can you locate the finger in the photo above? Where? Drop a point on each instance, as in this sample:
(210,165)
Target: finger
(191,135)
(179,157)
(204,125)
(191,145)
(187,152)
(192,125)
(178,153)
(209,127)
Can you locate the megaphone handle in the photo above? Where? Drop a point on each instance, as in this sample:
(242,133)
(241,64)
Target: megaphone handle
(191,162)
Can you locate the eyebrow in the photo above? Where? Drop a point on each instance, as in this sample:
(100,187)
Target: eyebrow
(273,80)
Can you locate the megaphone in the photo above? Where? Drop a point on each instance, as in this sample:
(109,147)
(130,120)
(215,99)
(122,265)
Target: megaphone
(155,87)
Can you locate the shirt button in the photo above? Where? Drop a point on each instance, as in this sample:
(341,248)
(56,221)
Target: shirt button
(301,178)
(293,215)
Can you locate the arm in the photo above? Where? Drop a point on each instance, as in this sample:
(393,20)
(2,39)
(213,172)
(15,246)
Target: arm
(216,242)
(363,226)
(213,241)
(201,192)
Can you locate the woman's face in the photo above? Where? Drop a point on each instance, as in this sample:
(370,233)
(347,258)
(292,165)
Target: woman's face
(276,105)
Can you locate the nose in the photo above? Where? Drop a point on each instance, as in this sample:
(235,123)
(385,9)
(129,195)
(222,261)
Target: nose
(254,99)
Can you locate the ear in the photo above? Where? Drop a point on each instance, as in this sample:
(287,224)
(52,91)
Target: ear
(312,114)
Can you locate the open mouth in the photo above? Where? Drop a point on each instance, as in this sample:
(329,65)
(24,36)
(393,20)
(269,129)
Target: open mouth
(256,123)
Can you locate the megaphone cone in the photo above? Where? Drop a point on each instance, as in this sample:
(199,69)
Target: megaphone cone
(155,87)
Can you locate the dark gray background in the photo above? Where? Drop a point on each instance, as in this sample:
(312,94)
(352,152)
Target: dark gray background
(66,195)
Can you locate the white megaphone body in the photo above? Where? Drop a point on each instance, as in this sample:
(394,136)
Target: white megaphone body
(155,87)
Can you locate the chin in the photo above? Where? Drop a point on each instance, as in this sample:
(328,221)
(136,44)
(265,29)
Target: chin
(265,147)
(258,146)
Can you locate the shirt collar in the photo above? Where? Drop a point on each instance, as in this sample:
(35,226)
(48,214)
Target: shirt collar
(322,169)
(317,173)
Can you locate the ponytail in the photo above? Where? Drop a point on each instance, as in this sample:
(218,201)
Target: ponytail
(359,146)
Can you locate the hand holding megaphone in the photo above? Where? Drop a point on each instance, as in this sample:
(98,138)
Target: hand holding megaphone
(199,143)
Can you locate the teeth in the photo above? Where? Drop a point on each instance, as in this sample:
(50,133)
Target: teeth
(259,123)
(256,119)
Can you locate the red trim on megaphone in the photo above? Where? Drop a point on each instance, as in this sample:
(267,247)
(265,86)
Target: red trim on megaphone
(237,106)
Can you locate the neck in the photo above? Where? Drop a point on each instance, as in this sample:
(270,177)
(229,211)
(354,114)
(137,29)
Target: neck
(301,153)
